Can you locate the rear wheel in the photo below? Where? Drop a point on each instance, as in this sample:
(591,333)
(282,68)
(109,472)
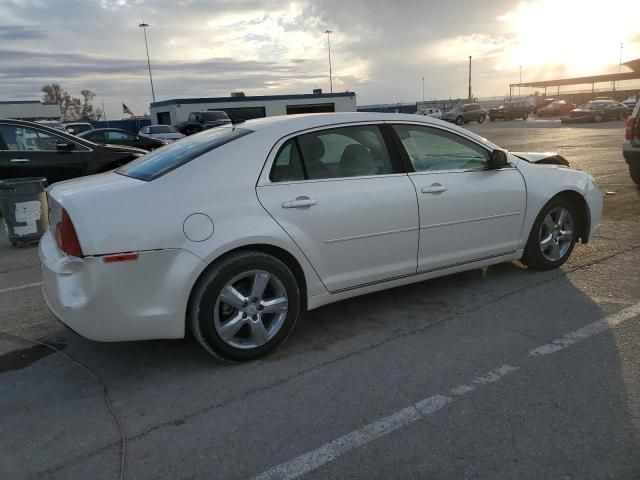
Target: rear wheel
(552,236)
(459,120)
(244,306)
(482,118)
(525,116)
(634,171)
(598,118)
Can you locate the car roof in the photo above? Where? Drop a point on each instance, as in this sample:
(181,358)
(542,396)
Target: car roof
(280,126)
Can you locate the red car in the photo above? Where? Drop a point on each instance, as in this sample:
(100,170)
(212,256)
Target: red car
(555,109)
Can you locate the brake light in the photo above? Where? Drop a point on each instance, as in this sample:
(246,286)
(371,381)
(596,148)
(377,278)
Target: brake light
(628,134)
(66,236)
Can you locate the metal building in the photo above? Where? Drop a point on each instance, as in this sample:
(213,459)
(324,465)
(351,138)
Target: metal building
(239,107)
(29,110)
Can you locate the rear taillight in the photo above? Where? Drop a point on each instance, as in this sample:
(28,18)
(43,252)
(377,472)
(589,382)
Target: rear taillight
(628,134)
(63,230)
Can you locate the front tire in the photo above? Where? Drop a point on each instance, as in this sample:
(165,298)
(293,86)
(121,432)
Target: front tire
(553,236)
(245,306)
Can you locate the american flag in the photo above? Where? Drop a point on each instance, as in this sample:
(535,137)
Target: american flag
(126,109)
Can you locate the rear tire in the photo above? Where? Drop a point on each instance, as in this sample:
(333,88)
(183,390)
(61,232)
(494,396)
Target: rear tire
(598,118)
(234,317)
(634,171)
(553,235)
(459,120)
(482,118)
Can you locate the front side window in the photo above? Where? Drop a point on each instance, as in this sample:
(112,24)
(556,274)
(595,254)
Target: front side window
(433,150)
(162,161)
(14,137)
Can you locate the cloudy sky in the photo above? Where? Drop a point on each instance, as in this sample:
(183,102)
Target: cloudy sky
(381,50)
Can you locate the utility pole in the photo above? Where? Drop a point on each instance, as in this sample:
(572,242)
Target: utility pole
(520,80)
(620,64)
(423,89)
(470,77)
(329,32)
(144,29)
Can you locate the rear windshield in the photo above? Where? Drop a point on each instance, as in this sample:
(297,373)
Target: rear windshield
(172,156)
(214,115)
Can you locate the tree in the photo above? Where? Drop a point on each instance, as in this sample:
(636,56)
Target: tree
(71,108)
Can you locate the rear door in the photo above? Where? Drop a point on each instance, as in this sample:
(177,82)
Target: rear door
(468,212)
(31,152)
(340,196)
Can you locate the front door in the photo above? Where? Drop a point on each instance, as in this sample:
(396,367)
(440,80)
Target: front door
(467,211)
(339,195)
(31,152)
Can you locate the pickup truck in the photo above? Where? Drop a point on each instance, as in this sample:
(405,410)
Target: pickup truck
(199,121)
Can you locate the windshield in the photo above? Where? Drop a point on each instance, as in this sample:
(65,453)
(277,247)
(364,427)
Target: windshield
(163,129)
(214,116)
(170,157)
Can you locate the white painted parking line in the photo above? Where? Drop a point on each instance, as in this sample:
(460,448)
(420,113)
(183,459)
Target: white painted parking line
(314,459)
(587,331)
(21,287)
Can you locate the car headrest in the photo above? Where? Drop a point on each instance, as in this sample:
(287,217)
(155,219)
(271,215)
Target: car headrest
(312,148)
(356,160)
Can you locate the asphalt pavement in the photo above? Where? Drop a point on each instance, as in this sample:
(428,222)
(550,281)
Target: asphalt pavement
(499,373)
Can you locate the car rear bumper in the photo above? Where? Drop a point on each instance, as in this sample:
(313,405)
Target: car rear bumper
(135,300)
(595,201)
(631,153)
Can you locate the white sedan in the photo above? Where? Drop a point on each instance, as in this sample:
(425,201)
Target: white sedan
(234,232)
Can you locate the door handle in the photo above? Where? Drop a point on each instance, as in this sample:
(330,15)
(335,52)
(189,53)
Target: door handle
(434,188)
(19,160)
(300,202)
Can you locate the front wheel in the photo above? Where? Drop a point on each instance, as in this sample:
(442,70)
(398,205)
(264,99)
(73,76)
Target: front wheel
(244,306)
(552,236)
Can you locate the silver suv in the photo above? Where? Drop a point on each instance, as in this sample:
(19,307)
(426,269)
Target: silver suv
(466,113)
(631,145)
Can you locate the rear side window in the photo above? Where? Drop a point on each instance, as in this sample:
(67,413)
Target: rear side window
(162,161)
(333,153)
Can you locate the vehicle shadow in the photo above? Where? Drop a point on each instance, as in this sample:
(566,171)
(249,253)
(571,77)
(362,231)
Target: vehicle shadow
(585,401)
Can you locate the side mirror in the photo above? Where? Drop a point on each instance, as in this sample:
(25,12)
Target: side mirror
(64,146)
(498,159)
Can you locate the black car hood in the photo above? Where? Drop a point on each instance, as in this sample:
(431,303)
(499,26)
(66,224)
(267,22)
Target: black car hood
(123,149)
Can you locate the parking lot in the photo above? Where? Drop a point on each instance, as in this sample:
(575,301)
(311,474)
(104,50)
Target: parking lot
(498,373)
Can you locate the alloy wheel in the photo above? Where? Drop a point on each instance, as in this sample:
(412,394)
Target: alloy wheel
(250,309)
(556,234)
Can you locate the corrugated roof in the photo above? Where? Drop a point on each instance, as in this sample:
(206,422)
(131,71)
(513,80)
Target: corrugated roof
(249,99)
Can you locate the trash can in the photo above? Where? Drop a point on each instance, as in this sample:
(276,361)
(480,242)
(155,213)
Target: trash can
(24,207)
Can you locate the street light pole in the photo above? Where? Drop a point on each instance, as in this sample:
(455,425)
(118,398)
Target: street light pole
(144,29)
(329,32)
(423,89)
(469,77)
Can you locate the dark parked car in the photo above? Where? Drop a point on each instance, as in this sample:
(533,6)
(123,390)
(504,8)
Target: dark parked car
(597,111)
(631,144)
(199,121)
(555,109)
(469,112)
(116,136)
(511,110)
(29,149)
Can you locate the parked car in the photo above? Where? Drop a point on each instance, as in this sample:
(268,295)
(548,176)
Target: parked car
(631,144)
(469,112)
(29,149)
(51,123)
(630,103)
(556,109)
(168,133)
(261,232)
(597,111)
(77,127)
(199,121)
(543,103)
(430,112)
(511,110)
(116,136)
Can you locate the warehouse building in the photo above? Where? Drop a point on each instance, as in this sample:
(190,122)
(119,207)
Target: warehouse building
(240,107)
(29,110)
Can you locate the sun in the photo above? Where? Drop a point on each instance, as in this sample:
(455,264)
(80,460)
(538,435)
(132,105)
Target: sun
(572,36)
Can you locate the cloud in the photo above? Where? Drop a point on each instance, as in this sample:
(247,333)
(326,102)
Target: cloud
(20,32)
